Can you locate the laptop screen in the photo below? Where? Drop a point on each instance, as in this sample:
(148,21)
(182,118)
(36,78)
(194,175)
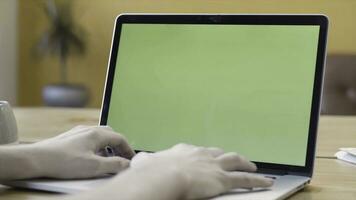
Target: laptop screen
(243,88)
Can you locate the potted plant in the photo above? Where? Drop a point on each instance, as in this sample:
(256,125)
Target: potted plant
(62,39)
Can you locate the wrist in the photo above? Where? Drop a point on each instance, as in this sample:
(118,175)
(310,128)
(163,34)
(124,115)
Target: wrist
(31,156)
(18,162)
(145,182)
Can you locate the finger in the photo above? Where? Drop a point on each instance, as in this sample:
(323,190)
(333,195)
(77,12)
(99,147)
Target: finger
(246,180)
(111,165)
(184,146)
(214,151)
(106,137)
(232,162)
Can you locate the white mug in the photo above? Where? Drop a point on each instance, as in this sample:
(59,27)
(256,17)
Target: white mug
(8,126)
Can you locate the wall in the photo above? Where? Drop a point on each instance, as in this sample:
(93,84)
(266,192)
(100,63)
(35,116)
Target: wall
(8,72)
(97,17)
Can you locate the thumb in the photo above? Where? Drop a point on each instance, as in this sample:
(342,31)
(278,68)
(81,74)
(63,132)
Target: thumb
(111,165)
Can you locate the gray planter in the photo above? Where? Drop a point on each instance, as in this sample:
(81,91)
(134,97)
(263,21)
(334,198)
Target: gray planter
(65,95)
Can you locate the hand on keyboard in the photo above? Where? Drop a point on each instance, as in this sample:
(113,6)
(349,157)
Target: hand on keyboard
(201,172)
(74,154)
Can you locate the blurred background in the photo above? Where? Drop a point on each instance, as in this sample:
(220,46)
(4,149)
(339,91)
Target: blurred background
(61,48)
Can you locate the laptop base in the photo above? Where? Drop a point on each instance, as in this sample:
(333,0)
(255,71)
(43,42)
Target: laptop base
(283,187)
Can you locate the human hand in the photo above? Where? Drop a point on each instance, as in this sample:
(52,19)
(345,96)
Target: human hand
(201,172)
(73,154)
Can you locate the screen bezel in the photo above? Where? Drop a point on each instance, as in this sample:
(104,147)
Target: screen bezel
(316,20)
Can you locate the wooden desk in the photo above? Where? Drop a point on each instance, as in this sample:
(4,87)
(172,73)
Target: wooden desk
(333,179)
(335,132)
(36,124)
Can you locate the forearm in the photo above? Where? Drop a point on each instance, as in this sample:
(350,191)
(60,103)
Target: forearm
(139,184)
(18,162)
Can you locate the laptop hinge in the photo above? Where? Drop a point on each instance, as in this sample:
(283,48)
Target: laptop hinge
(272,171)
(281,172)
(299,174)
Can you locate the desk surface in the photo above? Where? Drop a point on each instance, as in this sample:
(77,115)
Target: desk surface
(333,179)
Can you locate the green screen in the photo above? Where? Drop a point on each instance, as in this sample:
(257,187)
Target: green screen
(244,88)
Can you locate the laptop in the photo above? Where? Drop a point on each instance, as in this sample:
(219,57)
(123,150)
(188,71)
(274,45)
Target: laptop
(245,83)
